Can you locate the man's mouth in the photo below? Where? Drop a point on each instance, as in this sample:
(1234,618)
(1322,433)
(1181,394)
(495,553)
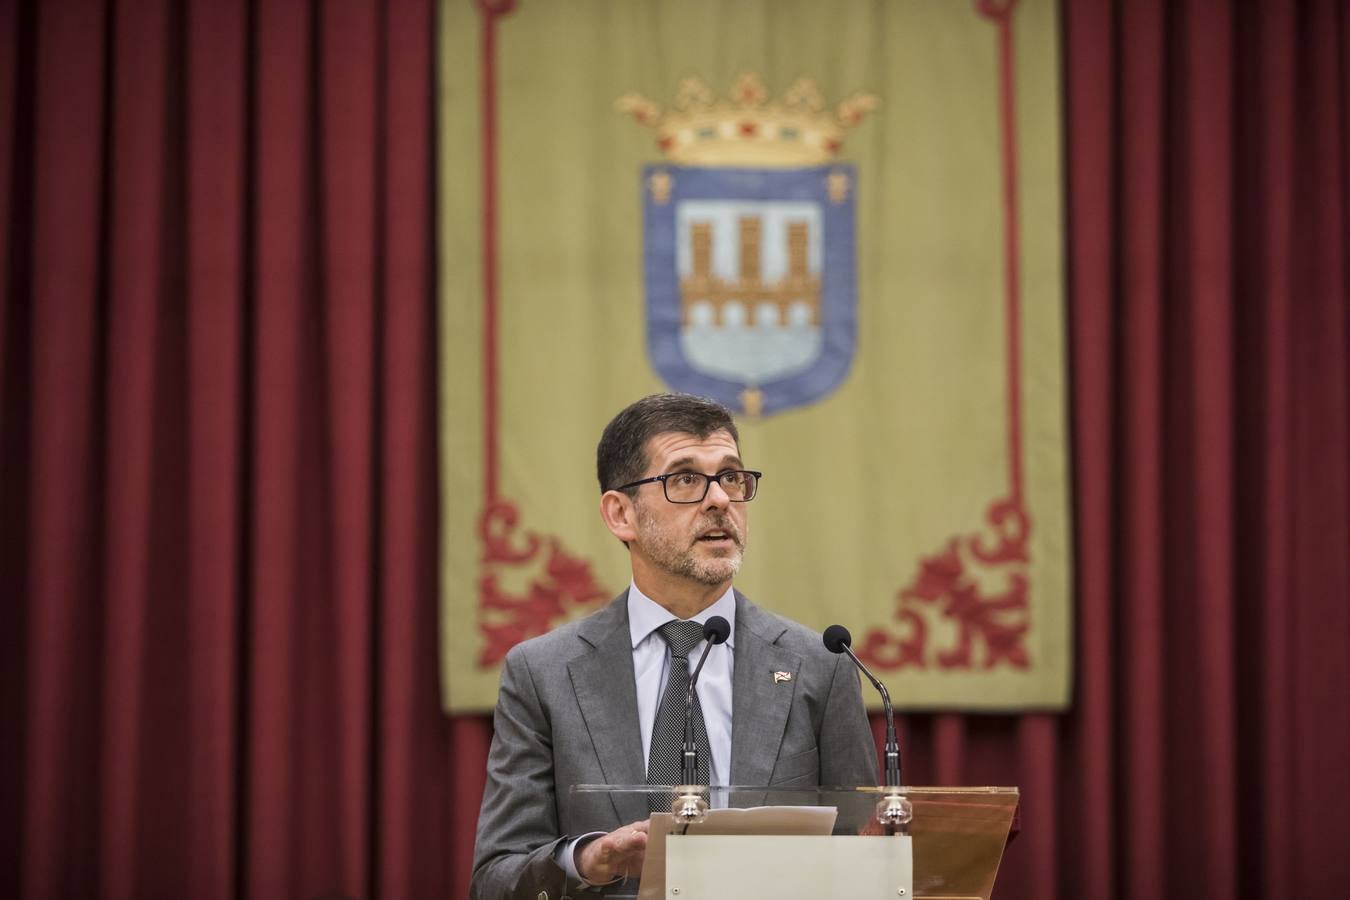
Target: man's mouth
(717,536)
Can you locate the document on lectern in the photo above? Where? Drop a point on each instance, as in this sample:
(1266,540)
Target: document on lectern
(758,820)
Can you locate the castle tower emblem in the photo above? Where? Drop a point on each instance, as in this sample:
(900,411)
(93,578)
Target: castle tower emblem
(749,245)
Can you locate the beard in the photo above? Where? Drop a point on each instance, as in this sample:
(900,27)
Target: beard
(678,554)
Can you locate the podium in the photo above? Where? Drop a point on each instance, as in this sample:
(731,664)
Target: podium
(942,843)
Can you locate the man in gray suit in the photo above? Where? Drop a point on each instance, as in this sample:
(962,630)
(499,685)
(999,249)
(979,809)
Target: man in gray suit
(586,703)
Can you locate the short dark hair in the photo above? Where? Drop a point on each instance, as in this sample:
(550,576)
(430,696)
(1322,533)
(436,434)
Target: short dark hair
(621,456)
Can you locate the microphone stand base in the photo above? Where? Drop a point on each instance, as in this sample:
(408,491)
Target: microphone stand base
(689,807)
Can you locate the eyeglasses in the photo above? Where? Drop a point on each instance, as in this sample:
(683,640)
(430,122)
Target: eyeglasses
(691,487)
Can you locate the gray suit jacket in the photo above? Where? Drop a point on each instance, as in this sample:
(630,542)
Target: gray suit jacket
(567,714)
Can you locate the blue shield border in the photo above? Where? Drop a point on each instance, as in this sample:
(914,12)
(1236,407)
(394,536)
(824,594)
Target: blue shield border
(839,289)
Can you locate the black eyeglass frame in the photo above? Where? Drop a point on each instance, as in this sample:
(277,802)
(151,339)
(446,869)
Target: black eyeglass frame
(707,484)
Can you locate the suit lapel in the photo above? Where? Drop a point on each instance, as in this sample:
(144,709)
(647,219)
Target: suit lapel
(607,695)
(760,702)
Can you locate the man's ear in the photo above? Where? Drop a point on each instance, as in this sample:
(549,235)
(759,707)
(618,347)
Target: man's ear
(620,515)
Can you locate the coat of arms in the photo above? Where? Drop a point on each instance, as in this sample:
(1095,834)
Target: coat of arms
(749,248)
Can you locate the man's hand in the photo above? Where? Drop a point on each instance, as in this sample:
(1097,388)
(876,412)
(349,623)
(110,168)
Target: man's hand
(615,855)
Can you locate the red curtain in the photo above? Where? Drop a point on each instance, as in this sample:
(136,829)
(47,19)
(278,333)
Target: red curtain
(217,488)
(218,658)
(1211,374)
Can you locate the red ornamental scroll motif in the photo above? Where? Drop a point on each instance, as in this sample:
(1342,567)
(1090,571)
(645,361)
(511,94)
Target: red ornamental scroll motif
(976,587)
(558,585)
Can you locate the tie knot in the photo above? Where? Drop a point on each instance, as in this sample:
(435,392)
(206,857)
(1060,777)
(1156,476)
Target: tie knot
(682,637)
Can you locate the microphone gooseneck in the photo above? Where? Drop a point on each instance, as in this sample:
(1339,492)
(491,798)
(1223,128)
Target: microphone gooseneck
(715,631)
(838,640)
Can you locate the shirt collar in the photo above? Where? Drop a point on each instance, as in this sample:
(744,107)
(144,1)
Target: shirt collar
(645,615)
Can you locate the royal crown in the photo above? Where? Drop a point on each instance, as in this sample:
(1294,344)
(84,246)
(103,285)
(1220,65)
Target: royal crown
(746,129)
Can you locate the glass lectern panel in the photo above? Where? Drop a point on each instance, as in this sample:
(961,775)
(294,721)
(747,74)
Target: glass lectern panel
(957,835)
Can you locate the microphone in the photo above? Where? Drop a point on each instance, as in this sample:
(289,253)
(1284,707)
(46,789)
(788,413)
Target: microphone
(715,631)
(838,640)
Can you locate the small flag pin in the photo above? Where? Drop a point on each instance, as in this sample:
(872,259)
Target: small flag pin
(780,677)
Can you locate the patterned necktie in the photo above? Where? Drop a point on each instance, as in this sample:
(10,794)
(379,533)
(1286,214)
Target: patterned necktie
(665,762)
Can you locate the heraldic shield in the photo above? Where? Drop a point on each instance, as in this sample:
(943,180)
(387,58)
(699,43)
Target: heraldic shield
(751,282)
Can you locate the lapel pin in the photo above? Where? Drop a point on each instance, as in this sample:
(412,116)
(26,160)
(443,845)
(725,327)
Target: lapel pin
(780,677)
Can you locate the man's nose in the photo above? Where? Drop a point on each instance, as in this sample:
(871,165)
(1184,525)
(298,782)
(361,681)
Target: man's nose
(716,498)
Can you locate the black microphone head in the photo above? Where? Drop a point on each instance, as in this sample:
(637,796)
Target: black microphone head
(837,638)
(716,630)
